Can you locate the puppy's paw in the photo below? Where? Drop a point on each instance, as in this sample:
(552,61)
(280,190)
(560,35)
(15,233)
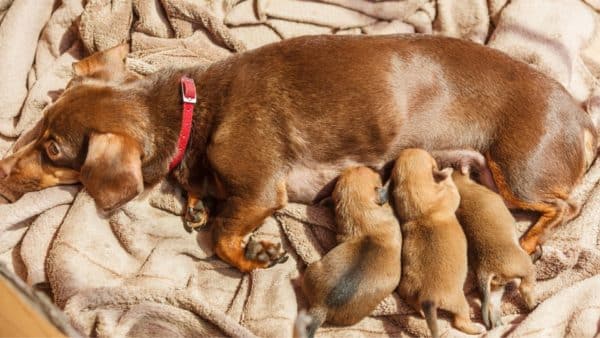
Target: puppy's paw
(491,317)
(301,326)
(467,326)
(196,215)
(265,252)
(496,318)
(530,301)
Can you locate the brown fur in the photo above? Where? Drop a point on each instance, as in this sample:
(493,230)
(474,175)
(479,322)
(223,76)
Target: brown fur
(434,248)
(347,284)
(282,121)
(494,251)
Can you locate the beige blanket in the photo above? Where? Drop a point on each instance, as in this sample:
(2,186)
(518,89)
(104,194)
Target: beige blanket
(138,273)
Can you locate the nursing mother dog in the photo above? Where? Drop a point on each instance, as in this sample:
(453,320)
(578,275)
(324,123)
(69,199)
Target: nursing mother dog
(279,123)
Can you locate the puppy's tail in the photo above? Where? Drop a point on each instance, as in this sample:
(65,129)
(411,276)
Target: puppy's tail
(306,324)
(430,312)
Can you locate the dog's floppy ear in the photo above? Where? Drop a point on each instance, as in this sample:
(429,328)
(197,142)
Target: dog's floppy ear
(112,171)
(107,65)
(441,175)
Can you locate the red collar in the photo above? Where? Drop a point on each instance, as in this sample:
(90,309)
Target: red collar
(188,94)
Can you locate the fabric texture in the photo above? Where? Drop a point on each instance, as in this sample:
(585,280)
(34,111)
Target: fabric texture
(138,273)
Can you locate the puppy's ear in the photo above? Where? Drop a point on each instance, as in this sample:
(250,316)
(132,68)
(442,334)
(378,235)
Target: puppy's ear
(383,194)
(107,65)
(112,171)
(441,175)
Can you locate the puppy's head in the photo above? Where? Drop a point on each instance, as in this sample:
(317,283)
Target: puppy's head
(91,134)
(420,187)
(359,187)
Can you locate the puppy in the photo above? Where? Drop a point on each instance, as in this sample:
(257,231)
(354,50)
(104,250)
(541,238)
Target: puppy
(434,248)
(494,251)
(348,283)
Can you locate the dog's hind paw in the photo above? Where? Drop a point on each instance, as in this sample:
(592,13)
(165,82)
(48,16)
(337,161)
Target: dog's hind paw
(537,254)
(196,215)
(265,252)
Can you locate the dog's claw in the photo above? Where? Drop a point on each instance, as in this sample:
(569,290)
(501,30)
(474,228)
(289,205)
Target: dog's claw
(272,251)
(280,260)
(265,252)
(196,216)
(537,254)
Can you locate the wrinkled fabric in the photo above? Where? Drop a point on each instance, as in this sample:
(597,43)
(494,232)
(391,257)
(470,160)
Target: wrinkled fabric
(138,273)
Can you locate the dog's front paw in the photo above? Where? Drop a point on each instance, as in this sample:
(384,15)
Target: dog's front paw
(196,215)
(265,252)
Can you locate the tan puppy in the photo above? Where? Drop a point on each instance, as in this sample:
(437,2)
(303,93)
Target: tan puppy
(494,251)
(434,248)
(348,283)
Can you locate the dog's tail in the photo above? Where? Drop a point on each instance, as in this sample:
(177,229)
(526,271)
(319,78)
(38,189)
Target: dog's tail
(430,312)
(306,324)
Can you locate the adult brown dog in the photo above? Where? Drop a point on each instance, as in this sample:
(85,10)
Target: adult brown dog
(280,122)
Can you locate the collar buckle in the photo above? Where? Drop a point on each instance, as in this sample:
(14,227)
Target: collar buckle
(188,90)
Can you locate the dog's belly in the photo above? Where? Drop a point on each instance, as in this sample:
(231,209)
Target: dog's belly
(311,182)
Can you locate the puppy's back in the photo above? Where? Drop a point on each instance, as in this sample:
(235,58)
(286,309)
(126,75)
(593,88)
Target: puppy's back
(487,223)
(434,250)
(353,278)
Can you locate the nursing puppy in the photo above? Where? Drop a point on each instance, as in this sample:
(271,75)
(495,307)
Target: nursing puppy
(494,252)
(434,247)
(348,283)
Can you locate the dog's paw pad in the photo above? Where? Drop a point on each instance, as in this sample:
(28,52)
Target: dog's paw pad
(265,252)
(262,257)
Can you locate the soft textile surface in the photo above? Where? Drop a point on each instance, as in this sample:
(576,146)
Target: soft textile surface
(137,272)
